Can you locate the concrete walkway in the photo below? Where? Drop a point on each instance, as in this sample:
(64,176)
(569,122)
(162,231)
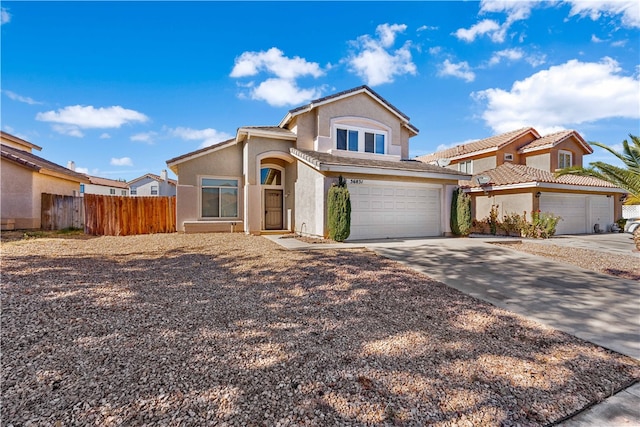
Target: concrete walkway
(596,307)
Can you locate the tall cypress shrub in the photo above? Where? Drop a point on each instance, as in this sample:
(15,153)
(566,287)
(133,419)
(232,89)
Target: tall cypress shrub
(339,211)
(460,213)
(455,228)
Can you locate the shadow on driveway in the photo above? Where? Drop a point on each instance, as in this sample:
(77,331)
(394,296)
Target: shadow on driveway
(596,307)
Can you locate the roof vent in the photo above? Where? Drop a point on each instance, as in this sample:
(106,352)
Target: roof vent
(508,157)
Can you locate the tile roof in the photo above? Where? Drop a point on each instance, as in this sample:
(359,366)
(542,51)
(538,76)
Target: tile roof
(20,141)
(96,180)
(316,158)
(200,151)
(554,139)
(493,142)
(344,93)
(34,162)
(154,177)
(509,174)
(275,129)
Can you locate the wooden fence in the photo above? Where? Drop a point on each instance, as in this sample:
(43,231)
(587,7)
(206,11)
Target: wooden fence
(59,212)
(123,216)
(109,215)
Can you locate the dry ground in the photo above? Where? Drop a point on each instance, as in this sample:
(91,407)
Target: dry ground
(220,329)
(625,266)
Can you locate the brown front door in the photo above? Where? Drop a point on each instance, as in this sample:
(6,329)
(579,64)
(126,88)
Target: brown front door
(273,209)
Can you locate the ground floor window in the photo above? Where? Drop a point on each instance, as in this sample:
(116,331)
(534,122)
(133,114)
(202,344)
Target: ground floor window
(219,198)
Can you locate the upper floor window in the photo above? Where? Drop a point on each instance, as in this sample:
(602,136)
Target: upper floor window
(134,191)
(123,192)
(362,140)
(565,159)
(112,191)
(466,166)
(219,198)
(154,190)
(81,188)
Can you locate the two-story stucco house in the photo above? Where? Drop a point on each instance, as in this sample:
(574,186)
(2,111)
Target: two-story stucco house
(25,177)
(277,177)
(105,187)
(152,185)
(515,171)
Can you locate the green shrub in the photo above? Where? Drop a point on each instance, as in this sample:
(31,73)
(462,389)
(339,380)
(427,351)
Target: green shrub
(461,222)
(339,211)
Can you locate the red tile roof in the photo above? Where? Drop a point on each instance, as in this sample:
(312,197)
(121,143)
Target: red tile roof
(492,143)
(96,180)
(509,174)
(554,139)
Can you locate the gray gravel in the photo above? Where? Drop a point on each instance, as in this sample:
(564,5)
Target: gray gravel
(220,329)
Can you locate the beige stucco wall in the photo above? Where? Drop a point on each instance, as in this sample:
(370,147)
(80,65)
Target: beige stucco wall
(317,122)
(508,203)
(483,164)
(309,193)
(17,200)
(539,161)
(226,162)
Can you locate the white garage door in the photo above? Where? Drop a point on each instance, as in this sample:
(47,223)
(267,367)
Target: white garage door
(381,209)
(579,212)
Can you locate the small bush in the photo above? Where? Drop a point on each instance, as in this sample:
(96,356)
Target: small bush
(339,211)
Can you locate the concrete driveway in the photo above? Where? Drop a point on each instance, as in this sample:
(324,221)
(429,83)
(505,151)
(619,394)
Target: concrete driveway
(595,307)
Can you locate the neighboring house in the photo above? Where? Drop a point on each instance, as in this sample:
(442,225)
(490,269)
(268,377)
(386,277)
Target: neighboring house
(515,171)
(25,177)
(104,186)
(277,177)
(152,185)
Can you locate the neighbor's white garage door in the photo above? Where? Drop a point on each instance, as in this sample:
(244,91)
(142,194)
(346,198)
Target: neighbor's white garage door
(381,209)
(579,212)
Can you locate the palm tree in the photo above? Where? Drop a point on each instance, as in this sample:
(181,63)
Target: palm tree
(627,178)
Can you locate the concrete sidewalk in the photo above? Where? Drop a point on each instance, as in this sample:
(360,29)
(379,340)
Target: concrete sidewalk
(596,307)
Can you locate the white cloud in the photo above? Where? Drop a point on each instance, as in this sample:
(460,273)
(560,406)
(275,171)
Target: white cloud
(82,170)
(87,117)
(516,54)
(479,29)
(375,62)
(435,50)
(5,16)
(208,136)
(619,43)
(425,28)
(69,130)
(105,136)
(515,10)
(460,70)
(629,10)
(146,137)
(508,54)
(274,62)
(563,96)
(286,71)
(122,161)
(281,92)
(14,96)
(596,39)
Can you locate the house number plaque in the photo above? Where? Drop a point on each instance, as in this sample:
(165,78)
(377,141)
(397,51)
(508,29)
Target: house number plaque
(356,181)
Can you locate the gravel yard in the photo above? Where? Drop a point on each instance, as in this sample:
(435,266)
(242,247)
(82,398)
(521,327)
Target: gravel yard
(221,329)
(625,266)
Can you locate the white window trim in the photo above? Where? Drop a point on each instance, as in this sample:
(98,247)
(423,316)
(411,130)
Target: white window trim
(508,157)
(361,125)
(238,197)
(562,153)
(470,168)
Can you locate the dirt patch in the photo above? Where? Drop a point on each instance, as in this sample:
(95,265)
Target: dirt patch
(202,329)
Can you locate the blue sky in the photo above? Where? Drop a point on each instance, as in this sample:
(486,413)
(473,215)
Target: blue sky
(121,87)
